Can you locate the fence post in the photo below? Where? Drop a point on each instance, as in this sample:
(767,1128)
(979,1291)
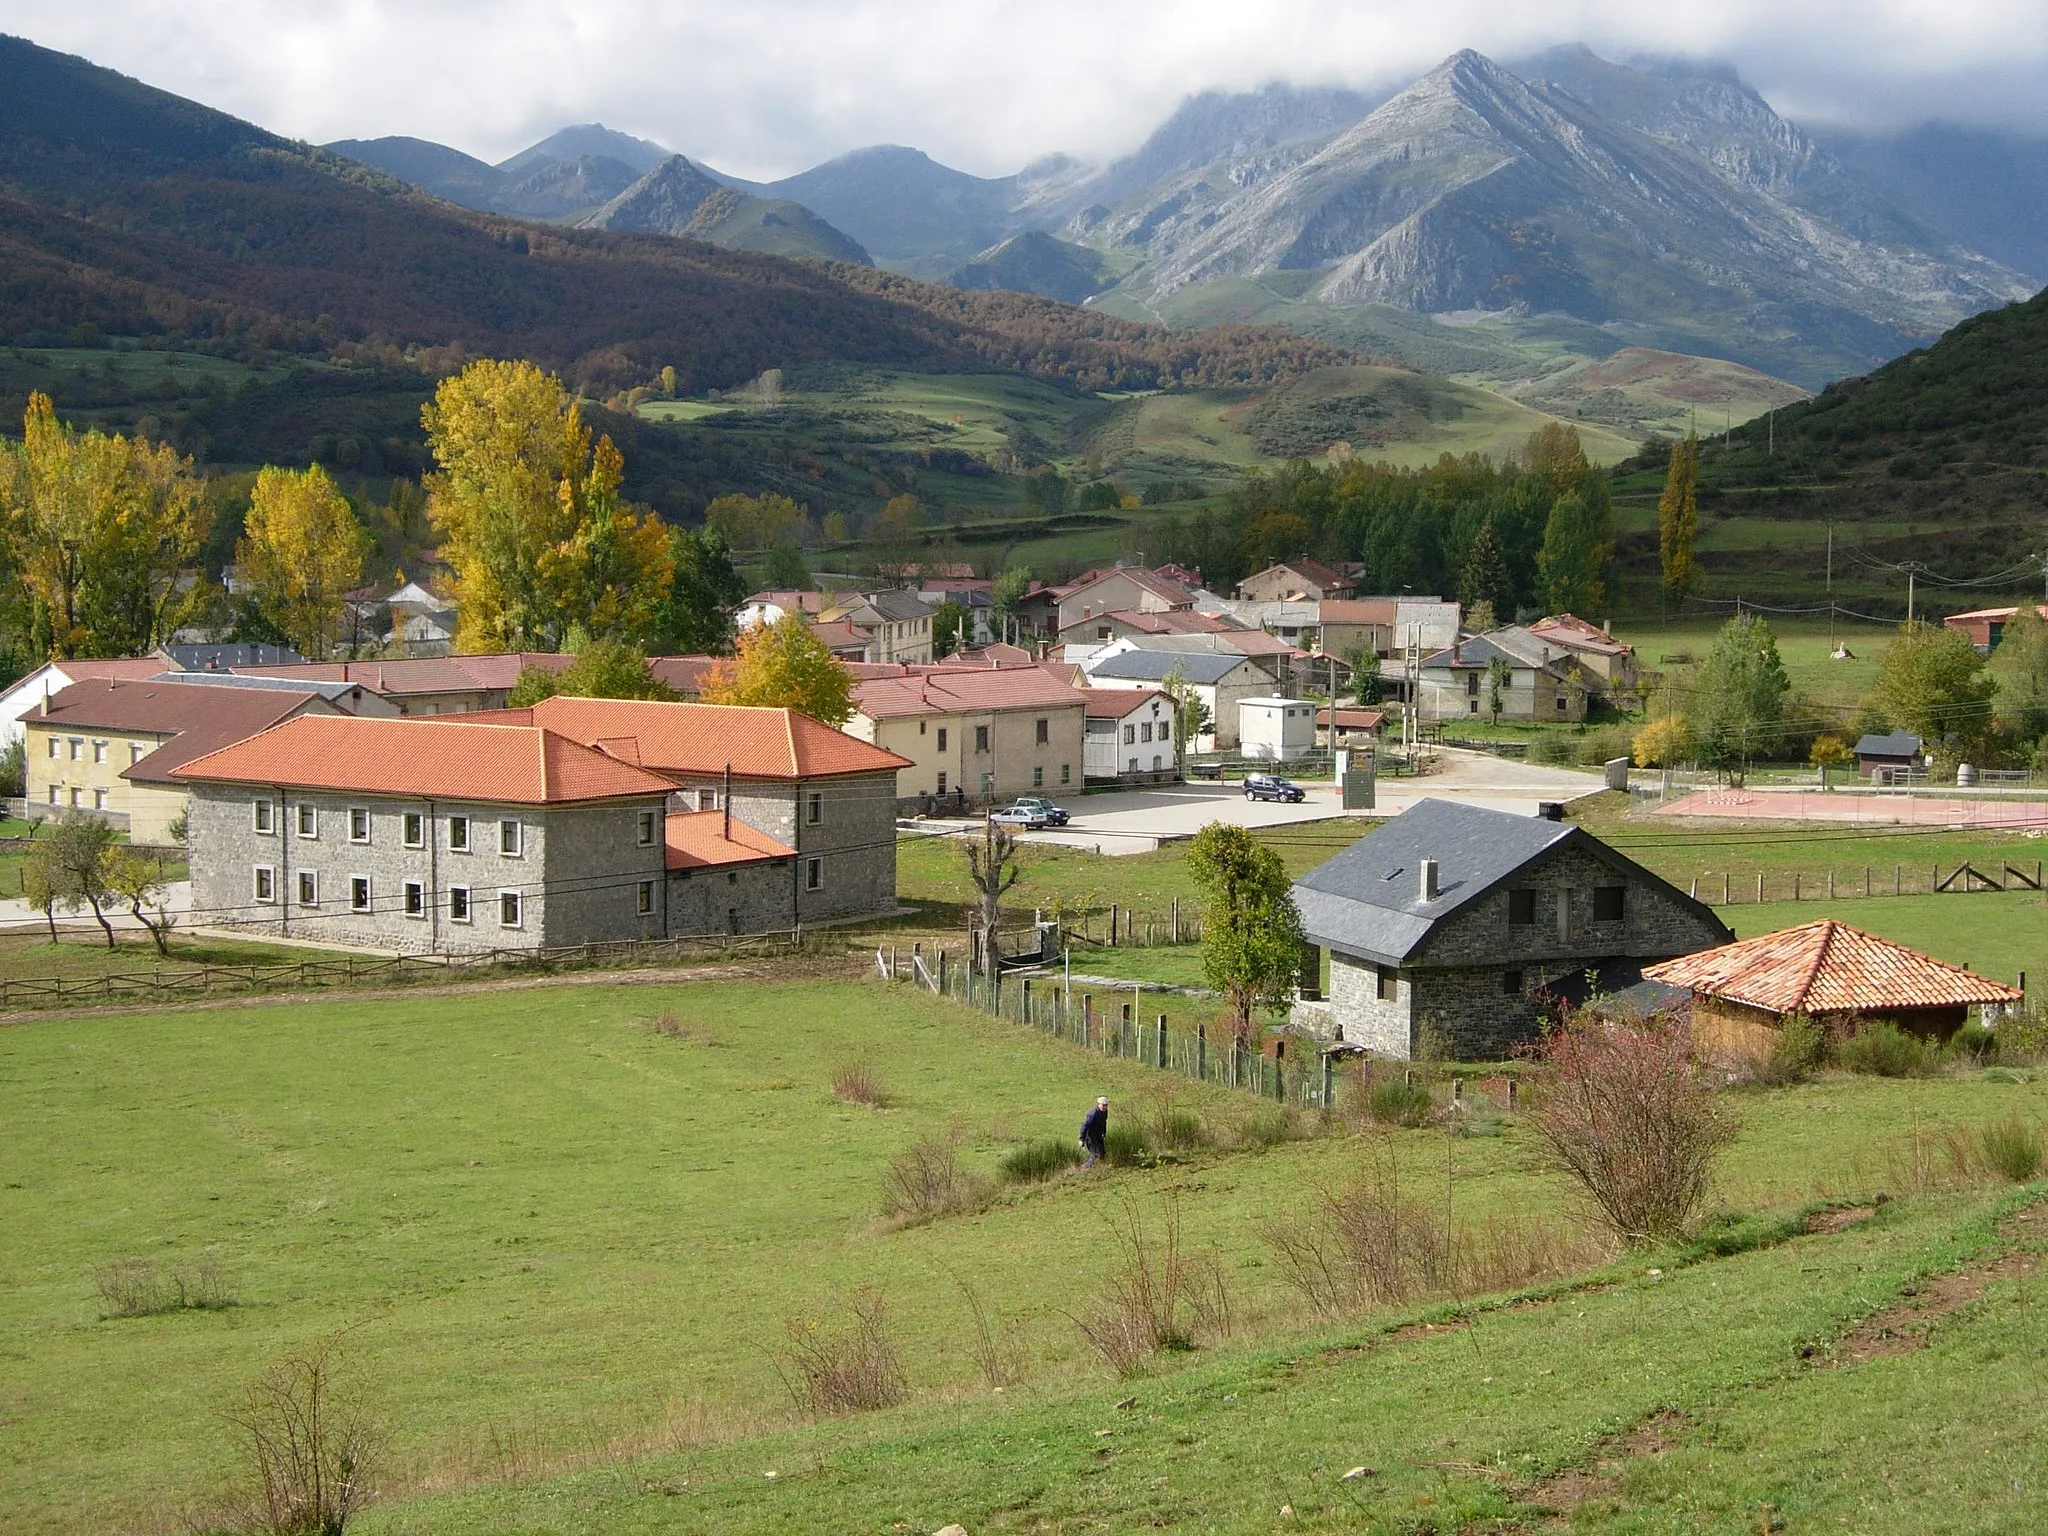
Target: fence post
(1457,1093)
(1895,879)
(1831,885)
(1236,1060)
(942,970)
(1280,1070)
(1159,1040)
(1027,999)
(1933,879)
(1329,1082)
(1201,1052)
(1759,887)
(1695,887)
(1176,919)
(1724,887)
(1112,925)
(1514,1094)
(1087,1016)
(1123,1033)
(1795,885)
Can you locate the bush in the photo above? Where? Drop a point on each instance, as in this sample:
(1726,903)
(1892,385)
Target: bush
(847,1369)
(1394,1102)
(1800,1046)
(1176,1130)
(1885,1050)
(1037,1161)
(139,1288)
(927,1181)
(2011,1149)
(1975,1045)
(1124,1147)
(1626,1113)
(1270,1125)
(858,1084)
(1158,1299)
(310,1446)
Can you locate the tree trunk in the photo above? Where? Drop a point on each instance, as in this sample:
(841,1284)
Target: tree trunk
(50,917)
(160,932)
(101,918)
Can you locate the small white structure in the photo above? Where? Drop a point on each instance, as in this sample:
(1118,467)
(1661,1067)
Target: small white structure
(1276,728)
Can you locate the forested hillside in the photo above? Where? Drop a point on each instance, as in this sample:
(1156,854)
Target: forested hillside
(127,211)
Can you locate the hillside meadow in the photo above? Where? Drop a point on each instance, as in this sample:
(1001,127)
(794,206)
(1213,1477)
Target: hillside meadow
(551,1233)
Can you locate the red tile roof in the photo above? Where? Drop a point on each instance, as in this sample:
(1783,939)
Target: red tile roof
(131,667)
(421,674)
(449,757)
(1356,610)
(965,691)
(1827,967)
(1115,703)
(1353,719)
(1174,621)
(685,674)
(197,717)
(700,740)
(1570,630)
(706,839)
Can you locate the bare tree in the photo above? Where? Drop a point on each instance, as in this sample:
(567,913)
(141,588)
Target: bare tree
(992,867)
(309,1444)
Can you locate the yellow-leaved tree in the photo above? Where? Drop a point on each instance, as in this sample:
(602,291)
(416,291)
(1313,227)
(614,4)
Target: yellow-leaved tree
(529,515)
(100,529)
(784,666)
(301,549)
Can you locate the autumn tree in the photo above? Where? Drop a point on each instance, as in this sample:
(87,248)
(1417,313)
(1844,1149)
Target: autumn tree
(529,515)
(1554,454)
(1252,943)
(784,666)
(1933,683)
(603,669)
(1829,752)
(100,529)
(301,549)
(1678,520)
(755,522)
(1663,743)
(2019,665)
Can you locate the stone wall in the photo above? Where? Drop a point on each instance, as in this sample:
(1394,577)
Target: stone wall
(753,898)
(853,840)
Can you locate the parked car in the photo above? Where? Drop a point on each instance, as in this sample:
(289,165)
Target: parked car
(1054,815)
(1270,786)
(1027,816)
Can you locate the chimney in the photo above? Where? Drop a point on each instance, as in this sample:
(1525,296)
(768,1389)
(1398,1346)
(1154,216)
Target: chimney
(1607,628)
(1429,879)
(1550,810)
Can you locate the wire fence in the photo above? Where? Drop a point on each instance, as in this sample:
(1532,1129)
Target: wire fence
(1729,887)
(163,985)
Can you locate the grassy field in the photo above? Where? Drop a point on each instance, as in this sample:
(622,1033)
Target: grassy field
(1805,645)
(31,955)
(554,1234)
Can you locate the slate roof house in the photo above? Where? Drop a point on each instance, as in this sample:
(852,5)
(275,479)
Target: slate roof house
(1895,750)
(1742,993)
(1463,921)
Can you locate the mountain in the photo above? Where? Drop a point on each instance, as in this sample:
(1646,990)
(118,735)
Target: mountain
(678,198)
(1476,190)
(1985,189)
(431,167)
(1035,262)
(126,211)
(587,141)
(911,213)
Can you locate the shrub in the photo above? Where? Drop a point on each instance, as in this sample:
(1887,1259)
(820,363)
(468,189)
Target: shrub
(2011,1149)
(927,1181)
(1172,1129)
(1883,1049)
(1626,1113)
(1799,1047)
(858,1084)
(2023,1034)
(1124,1146)
(672,1024)
(1369,1244)
(310,1446)
(1158,1299)
(1037,1161)
(1270,1125)
(1974,1044)
(846,1369)
(1394,1102)
(140,1288)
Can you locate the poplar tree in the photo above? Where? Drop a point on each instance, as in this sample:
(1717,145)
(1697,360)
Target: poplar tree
(784,666)
(301,549)
(1678,518)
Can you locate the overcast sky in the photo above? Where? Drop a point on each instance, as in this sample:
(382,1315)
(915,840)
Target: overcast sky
(763,88)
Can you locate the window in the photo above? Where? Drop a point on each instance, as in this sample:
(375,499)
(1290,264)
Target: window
(266,884)
(508,909)
(1471,706)
(644,898)
(99,751)
(942,738)
(707,799)
(414,829)
(53,746)
(1044,732)
(99,799)
(922,726)
(988,785)
(1522,908)
(942,781)
(458,834)
(1511,983)
(75,801)
(415,899)
(1145,731)
(1155,762)
(814,810)
(981,738)
(56,795)
(814,874)
(509,843)
(458,903)
(77,743)
(1387,984)
(1066,773)
(1472,684)
(359,893)
(1130,734)
(309,821)
(1131,766)
(1560,701)
(309,888)
(647,826)
(1037,778)
(1609,903)
(359,823)
(135,751)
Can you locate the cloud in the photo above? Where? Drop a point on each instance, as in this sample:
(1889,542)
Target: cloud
(767,89)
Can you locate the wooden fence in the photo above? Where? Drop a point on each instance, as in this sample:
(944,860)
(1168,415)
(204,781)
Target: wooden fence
(1723,888)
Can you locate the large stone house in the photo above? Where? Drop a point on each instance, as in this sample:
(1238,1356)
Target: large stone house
(1295,581)
(974,734)
(1467,922)
(897,624)
(1457,682)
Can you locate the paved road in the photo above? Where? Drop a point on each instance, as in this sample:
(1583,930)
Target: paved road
(1139,820)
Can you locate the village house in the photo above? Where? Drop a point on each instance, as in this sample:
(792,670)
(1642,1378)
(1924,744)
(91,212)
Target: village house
(897,624)
(425,685)
(1101,628)
(1464,922)
(768,607)
(1458,682)
(1218,680)
(1891,754)
(1607,665)
(1343,627)
(1341,727)
(1295,581)
(1838,976)
(108,746)
(1275,728)
(974,734)
(1114,590)
(1130,737)
(1986,626)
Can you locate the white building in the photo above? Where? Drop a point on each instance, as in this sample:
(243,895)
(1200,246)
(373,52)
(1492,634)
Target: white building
(1129,737)
(1275,728)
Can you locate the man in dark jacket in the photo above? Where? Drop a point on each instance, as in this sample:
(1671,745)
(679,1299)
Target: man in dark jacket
(1094,1131)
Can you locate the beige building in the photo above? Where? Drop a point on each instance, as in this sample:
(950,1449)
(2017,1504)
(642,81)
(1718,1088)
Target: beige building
(1295,581)
(107,746)
(976,736)
(897,625)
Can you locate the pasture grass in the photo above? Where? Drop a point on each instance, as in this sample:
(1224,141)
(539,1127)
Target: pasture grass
(554,1232)
(29,955)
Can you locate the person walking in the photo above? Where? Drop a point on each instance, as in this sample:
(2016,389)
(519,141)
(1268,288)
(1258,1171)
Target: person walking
(1094,1132)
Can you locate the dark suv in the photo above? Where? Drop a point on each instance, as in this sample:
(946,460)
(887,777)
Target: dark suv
(1270,786)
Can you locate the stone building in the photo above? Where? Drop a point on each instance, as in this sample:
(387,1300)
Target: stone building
(979,734)
(1468,922)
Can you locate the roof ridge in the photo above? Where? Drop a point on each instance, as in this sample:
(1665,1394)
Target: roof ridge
(1821,951)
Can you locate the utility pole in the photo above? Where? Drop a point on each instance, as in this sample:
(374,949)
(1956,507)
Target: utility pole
(1912,568)
(1831,589)
(1771,428)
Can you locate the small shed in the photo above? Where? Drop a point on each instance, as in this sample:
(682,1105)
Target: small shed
(1893,750)
(1827,971)
(1276,728)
